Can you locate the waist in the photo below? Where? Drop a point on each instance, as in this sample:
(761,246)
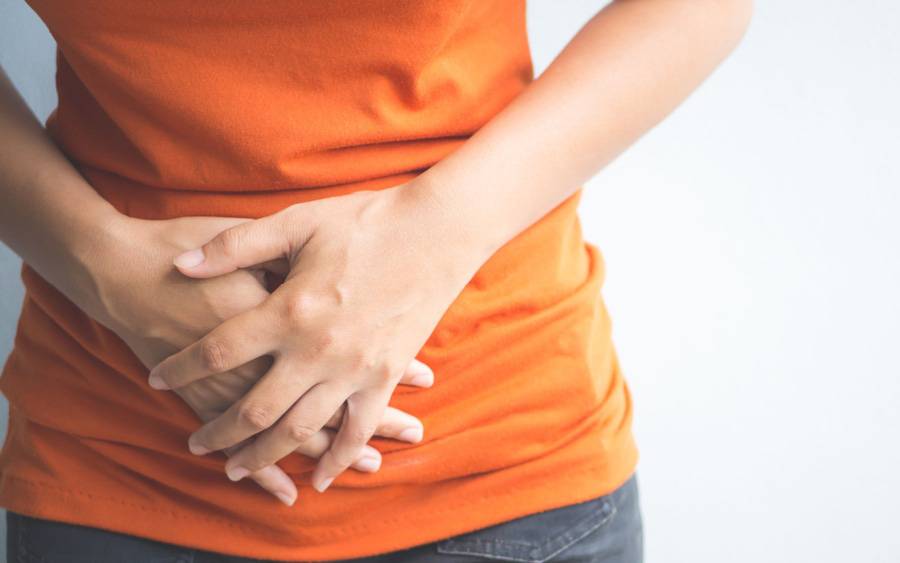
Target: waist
(250,196)
(530,310)
(526,380)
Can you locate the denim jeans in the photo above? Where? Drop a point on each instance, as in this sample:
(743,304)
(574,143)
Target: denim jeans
(607,529)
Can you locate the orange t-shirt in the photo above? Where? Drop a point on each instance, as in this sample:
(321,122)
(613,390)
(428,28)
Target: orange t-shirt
(174,108)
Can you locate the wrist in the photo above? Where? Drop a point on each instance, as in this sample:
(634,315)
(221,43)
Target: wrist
(465,233)
(96,260)
(92,247)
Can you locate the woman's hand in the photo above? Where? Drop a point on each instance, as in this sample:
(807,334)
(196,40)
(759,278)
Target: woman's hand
(370,275)
(157,311)
(118,270)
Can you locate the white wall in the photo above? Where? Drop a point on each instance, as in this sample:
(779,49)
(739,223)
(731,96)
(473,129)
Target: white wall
(753,277)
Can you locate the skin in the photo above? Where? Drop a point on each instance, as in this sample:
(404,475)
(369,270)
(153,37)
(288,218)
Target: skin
(119,271)
(358,303)
(368,275)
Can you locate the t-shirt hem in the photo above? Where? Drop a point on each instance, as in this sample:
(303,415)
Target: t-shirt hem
(378,535)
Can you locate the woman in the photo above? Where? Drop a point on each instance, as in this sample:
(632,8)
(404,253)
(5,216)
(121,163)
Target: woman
(296,213)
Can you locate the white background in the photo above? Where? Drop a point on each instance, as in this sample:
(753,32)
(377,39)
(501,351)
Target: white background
(753,277)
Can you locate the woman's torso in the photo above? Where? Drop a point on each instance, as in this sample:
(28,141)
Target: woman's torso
(177,108)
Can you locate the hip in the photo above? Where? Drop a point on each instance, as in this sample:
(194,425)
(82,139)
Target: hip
(607,528)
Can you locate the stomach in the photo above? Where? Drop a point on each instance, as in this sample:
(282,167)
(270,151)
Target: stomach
(523,350)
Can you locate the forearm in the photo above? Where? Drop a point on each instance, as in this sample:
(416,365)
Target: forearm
(625,70)
(50,216)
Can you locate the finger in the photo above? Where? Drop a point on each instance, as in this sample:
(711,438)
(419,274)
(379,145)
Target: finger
(394,424)
(274,480)
(319,443)
(244,245)
(364,410)
(236,341)
(306,417)
(417,374)
(270,398)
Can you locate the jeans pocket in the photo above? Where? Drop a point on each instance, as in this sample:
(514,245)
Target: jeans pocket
(534,538)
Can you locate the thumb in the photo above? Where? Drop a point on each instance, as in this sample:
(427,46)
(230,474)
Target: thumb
(241,246)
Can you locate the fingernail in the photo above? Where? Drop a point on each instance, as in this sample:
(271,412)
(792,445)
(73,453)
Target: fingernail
(411,434)
(197,449)
(422,380)
(418,367)
(157,382)
(286,498)
(190,258)
(237,473)
(323,484)
(368,464)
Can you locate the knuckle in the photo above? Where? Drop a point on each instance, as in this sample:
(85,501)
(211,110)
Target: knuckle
(230,241)
(343,457)
(360,360)
(359,435)
(340,292)
(213,355)
(311,448)
(383,373)
(257,417)
(298,308)
(300,431)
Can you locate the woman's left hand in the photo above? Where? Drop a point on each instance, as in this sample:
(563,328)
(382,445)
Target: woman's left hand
(369,275)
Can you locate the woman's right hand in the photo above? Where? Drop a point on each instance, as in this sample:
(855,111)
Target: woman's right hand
(157,311)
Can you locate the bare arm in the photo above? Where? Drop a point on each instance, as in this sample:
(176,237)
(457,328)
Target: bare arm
(51,217)
(118,270)
(624,71)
